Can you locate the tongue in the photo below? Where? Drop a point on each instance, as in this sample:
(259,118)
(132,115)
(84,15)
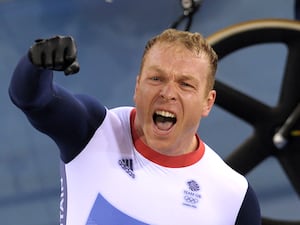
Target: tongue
(164,125)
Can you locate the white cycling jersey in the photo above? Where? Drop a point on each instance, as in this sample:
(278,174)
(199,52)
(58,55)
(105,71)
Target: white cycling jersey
(117,180)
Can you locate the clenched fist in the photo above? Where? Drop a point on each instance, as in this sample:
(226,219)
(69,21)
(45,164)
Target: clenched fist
(57,53)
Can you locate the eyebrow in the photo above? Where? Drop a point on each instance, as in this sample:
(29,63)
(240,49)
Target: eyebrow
(156,69)
(187,77)
(179,77)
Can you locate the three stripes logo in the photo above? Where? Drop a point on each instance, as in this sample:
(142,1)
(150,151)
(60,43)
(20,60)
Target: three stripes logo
(127,166)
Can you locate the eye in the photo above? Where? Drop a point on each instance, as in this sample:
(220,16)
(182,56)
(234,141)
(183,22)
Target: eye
(186,84)
(155,78)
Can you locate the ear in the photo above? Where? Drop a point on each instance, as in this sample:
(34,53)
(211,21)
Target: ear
(210,100)
(137,83)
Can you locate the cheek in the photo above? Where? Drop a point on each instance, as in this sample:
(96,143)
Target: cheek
(196,112)
(144,92)
(195,107)
(137,93)
(192,117)
(141,97)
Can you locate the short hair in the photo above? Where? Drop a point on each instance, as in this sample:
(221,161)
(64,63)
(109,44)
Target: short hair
(194,42)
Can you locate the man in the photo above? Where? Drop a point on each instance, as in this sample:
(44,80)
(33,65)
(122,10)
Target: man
(143,164)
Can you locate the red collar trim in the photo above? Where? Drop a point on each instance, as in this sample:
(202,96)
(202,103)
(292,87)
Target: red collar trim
(164,160)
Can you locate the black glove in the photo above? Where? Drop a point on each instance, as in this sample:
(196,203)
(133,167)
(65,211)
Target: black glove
(57,53)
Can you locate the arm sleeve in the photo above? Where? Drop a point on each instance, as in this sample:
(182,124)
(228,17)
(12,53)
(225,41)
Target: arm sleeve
(70,120)
(249,213)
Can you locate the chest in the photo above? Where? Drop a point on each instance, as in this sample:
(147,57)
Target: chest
(126,186)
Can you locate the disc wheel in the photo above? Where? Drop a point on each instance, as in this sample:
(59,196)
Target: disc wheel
(264,119)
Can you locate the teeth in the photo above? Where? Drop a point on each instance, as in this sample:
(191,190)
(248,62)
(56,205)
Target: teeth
(165,114)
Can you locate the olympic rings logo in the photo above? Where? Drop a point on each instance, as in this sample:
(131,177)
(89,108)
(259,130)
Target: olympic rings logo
(191,200)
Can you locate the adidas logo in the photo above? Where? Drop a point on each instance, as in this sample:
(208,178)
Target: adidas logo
(127,166)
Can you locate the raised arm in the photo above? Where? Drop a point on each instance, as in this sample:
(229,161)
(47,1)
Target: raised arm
(68,119)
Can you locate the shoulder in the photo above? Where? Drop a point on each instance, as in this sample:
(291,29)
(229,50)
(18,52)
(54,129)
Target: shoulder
(239,190)
(222,169)
(120,114)
(122,111)
(234,184)
(249,213)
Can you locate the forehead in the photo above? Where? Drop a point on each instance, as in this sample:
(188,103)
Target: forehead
(175,57)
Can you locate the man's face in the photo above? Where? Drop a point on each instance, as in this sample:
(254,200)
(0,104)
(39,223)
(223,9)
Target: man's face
(171,97)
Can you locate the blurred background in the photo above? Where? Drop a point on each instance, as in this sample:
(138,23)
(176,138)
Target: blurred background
(110,37)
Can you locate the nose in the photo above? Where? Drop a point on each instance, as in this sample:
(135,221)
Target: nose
(168,92)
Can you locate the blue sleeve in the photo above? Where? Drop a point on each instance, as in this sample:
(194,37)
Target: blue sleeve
(70,120)
(249,213)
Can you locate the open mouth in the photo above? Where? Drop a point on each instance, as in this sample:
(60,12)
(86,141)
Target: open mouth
(164,120)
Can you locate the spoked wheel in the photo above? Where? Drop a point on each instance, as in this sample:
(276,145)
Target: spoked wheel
(279,121)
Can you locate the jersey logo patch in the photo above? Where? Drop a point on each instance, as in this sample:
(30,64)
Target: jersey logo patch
(127,166)
(191,195)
